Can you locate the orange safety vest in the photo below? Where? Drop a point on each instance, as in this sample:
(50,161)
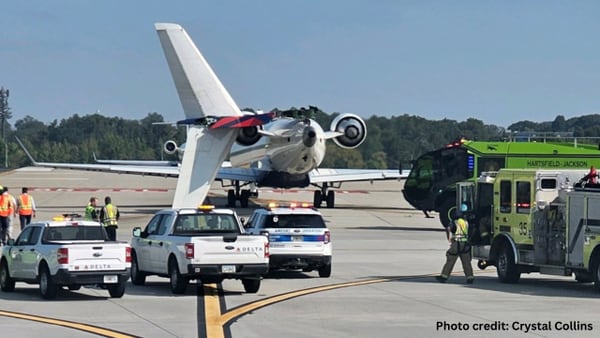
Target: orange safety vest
(25,205)
(5,206)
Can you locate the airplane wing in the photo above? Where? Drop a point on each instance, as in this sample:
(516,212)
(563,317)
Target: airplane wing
(125,167)
(323,175)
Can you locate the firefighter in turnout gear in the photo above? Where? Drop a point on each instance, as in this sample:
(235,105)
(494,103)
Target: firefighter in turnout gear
(109,216)
(457,234)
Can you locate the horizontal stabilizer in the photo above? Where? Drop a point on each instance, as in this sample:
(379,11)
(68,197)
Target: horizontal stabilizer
(215,122)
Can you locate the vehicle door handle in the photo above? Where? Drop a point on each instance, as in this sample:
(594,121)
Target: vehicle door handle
(161,243)
(149,242)
(32,249)
(20,250)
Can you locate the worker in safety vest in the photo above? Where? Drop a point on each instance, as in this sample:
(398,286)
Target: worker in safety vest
(12,212)
(91,213)
(109,216)
(457,235)
(25,207)
(5,213)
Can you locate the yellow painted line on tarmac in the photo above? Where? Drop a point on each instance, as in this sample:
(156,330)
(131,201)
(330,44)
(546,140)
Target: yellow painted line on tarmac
(212,312)
(68,324)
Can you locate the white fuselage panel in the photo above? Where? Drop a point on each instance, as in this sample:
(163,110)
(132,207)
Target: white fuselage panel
(286,151)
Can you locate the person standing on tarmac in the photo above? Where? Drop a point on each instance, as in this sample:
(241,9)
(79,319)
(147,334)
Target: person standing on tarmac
(91,213)
(457,235)
(12,212)
(109,216)
(5,214)
(25,207)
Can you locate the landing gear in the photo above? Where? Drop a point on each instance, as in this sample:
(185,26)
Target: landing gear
(324,194)
(242,195)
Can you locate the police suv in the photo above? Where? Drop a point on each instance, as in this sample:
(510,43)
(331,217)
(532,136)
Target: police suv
(297,235)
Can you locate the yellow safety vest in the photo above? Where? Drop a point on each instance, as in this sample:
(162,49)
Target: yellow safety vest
(461,230)
(110,215)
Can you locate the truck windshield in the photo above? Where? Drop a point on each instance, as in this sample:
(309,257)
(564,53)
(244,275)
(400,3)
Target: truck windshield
(74,233)
(433,172)
(205,223)
(294,221)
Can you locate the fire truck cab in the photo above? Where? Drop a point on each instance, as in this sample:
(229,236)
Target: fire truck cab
(526,220)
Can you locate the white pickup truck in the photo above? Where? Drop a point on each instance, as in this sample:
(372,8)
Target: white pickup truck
(206,244)
(67,253)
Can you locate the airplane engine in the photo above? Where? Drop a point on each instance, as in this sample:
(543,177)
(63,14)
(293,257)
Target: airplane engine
(353,127)
(170,147)
(248,136)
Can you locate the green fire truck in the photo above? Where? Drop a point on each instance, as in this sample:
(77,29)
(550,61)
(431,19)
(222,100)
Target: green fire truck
(534,220)
(431,184)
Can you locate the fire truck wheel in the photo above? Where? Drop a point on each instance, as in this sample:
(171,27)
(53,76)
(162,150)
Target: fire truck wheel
(596,270)
(508,271)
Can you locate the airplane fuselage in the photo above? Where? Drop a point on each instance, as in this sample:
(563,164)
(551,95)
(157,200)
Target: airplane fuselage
(288,145)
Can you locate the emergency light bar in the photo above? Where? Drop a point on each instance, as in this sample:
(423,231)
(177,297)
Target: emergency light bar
(291,205)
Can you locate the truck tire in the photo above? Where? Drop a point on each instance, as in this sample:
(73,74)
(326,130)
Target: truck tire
(7,284)
(251,285)
(325,271)
(595,270)
(137,277)
(508,271)
(446,211)
(116,290)
(177,282)
(48,287)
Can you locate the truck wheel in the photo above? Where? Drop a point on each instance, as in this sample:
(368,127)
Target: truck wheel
(446,211)
(251,285)
(177,281)
(116,290)
(48,287)
(325,271)
(508,271)
(137,277)
(7,284)
(595,270)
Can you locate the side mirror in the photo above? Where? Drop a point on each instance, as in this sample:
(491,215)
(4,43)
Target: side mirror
(137,232)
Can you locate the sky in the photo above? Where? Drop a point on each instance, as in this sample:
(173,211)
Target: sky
(497,61)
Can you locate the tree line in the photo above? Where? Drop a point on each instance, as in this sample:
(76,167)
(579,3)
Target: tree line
(391,143)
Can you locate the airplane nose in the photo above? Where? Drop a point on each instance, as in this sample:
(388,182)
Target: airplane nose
(309,136)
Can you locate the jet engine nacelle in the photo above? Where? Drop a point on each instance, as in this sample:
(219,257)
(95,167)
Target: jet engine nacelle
(353,127)
(248,136)
(170,147)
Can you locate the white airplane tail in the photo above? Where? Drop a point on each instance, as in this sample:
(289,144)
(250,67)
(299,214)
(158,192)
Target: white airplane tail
(202,95)
(200,91)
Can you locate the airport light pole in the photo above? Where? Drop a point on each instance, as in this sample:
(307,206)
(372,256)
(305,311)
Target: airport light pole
(4,115)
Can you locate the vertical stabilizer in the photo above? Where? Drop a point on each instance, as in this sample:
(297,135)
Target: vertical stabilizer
(202,159)
(200,91)
(201,94)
